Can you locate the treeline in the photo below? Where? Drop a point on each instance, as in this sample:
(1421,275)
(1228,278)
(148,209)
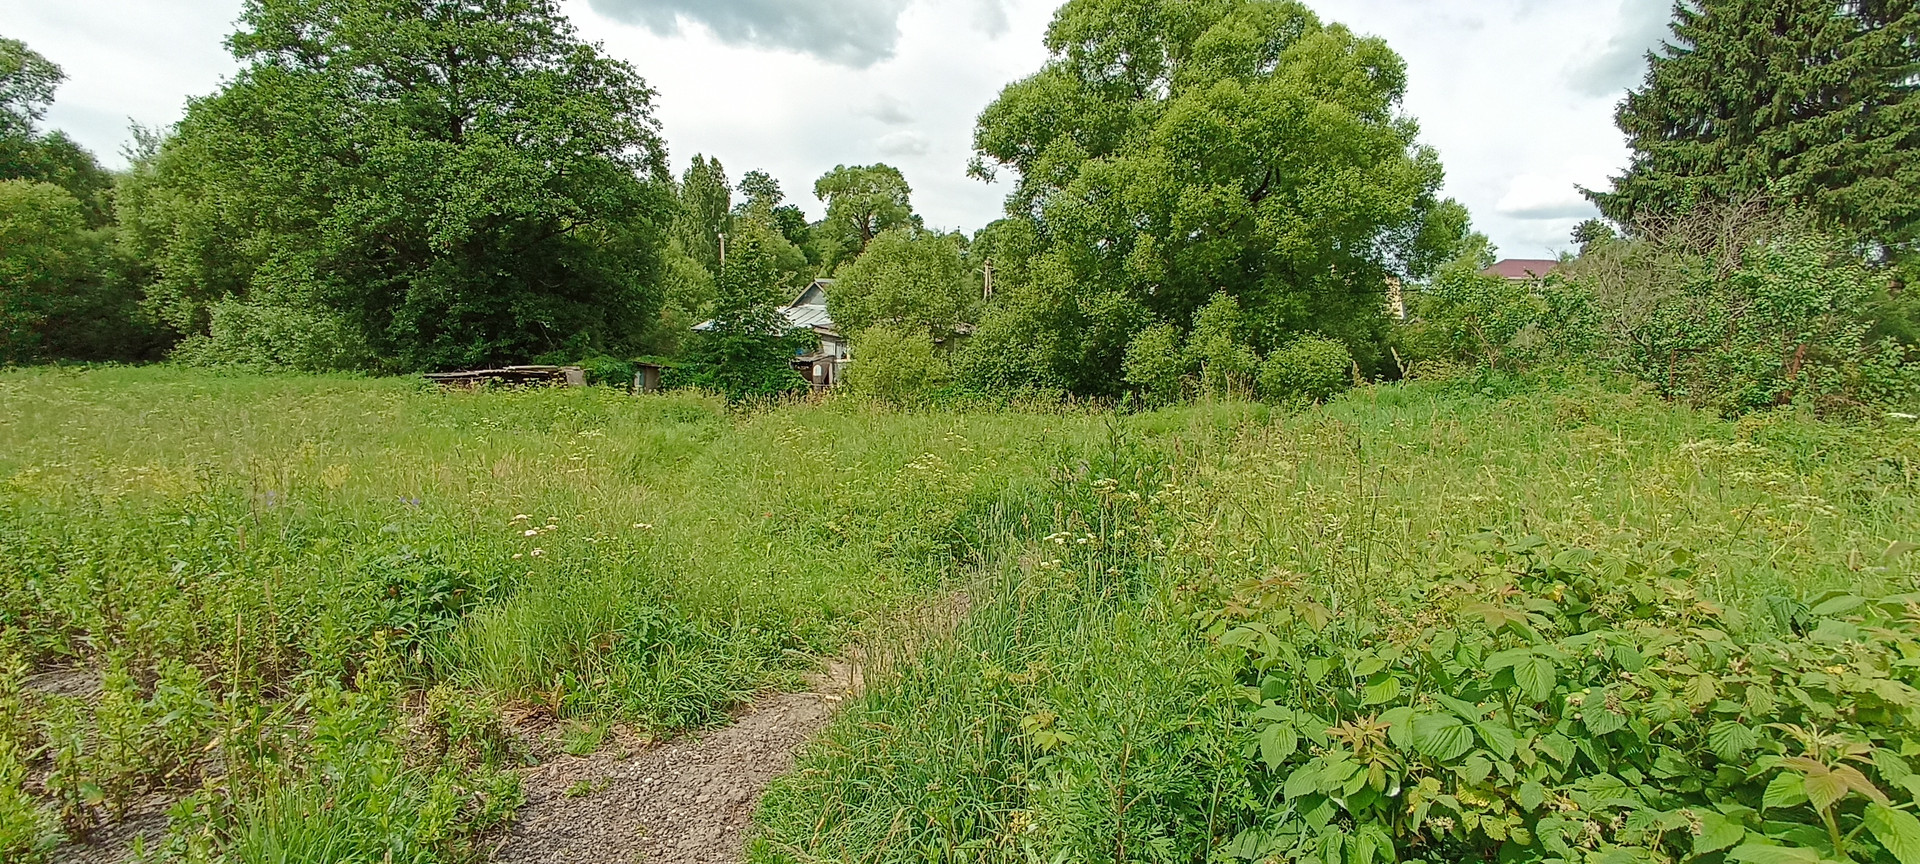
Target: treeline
(1223,197)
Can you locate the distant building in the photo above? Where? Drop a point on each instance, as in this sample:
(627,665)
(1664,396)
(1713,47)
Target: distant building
(826,366)
(1523,269)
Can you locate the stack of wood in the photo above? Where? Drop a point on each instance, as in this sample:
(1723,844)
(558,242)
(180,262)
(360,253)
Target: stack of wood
(512,376)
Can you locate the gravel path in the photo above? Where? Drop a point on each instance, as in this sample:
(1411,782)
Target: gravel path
(688,802)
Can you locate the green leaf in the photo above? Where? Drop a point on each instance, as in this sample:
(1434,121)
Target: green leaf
(1531,795)
(1600,721)
(1840,605)
(1399,726)
(1476,770)
(1507,658)
(1757,853)
(1278,742)
(1441,736)
(1304,780)
(1897,830)
(1728,740)
(1702,690)
(1824,790)
(1497,737)
(1535,677)
(1382,691)
(1717,832)
(1786,789)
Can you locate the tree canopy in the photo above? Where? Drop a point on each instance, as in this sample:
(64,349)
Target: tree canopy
(862,202)
(1810,100)
(458,181)
(911,280)
(1170,151)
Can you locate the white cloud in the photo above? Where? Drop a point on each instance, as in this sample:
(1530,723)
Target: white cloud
(1536,196)
(903,143)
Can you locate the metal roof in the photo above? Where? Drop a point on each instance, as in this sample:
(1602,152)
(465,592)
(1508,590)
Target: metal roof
(808,316)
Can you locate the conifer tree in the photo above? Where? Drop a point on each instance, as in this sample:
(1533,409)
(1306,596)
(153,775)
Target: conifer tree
(1813,101)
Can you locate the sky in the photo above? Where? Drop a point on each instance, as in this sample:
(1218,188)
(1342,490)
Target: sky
(1516,95)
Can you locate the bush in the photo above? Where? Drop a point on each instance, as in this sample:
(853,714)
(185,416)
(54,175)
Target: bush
(1156,364)
(1310,368)
(1218,347)
(1740,308)
(1555,705)
(896,365)
(48,260)
(270,337)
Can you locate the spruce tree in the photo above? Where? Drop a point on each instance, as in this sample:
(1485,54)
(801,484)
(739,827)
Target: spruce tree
(1813,101)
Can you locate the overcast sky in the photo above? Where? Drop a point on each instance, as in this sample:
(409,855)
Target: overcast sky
(1517,95)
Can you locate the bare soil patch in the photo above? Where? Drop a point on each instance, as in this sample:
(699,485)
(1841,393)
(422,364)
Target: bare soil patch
(690,800)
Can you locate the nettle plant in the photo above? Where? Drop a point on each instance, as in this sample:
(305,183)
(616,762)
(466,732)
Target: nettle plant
(1569,707)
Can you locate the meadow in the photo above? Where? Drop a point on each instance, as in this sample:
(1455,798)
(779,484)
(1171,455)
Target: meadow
(307,605)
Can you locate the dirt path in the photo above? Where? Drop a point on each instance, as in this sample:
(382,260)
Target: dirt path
(688,802)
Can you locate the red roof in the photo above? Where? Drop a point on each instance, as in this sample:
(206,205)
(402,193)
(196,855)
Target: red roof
(1522,268)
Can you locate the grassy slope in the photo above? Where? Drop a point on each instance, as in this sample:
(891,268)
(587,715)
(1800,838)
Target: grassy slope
(1083,713)
(263,538)
(646,559)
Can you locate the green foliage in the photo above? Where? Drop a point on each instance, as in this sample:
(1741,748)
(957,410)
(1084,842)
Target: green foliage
(1173,151)
(265,336)
(27,84)
(908,279)
(863,202)
(749,348)
(1738,102)
(1156,364)
(457,183)
(1592,706)
(1218,348)
(1738,310)
(1311,368)
(1467,316)
(706,212)
(896,364)
(63,292)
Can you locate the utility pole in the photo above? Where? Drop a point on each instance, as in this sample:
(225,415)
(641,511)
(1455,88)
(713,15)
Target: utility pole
(723,251)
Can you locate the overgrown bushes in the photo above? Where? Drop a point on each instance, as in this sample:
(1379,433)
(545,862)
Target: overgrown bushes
(1732,308)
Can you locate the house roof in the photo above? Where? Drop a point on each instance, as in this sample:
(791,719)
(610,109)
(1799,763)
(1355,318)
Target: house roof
(1523,268)
(807,311)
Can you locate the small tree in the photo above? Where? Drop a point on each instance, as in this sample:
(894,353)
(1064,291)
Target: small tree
(749,350)
(1218,347)
(51,266)
(1156,364)
(908,279)
(896,364)
(1311,368)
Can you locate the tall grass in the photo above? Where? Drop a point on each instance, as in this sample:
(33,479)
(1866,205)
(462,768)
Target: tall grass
(1085,711)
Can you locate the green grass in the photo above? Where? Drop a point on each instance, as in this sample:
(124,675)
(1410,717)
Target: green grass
(1088,709)
(333,585)
(651,560)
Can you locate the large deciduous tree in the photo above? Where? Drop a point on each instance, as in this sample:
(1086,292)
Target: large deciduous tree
(1170,151)
(27,84)
(457,182)
(706,211)
(1811,100)
(862,201)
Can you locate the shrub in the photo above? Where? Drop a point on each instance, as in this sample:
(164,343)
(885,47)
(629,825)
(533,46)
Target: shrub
(1466,316)
(895,364)
(1156,364)
(47,259)
(273,337)
(1218,347)
(1310,368)
(1739,308)
(1554,705)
